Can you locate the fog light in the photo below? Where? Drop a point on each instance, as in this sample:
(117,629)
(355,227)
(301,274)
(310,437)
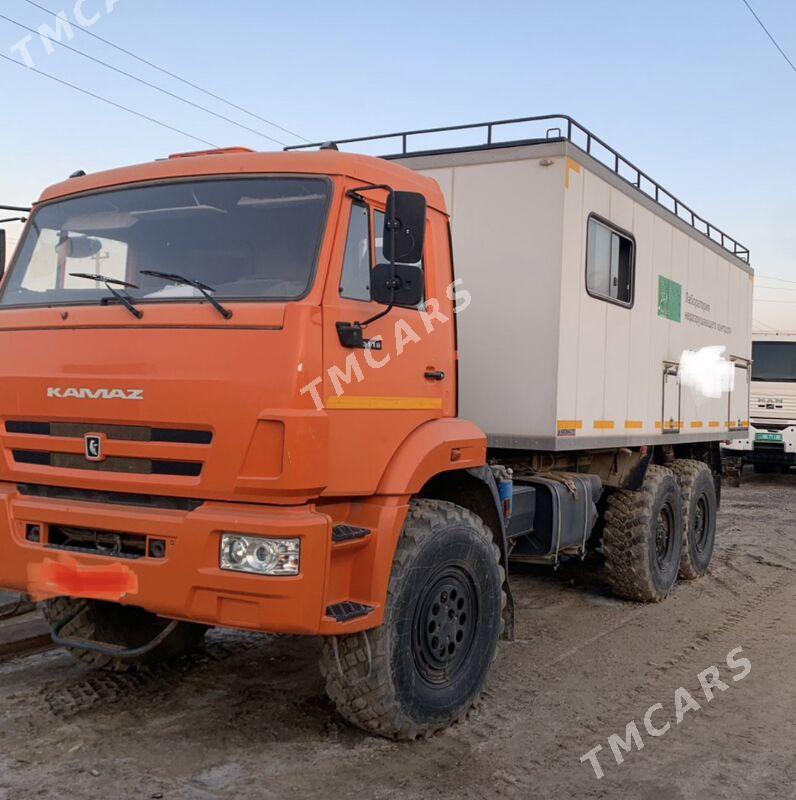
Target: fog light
(260,555)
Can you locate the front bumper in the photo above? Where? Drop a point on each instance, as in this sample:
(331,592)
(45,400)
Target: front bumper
(754,451)
(187,582)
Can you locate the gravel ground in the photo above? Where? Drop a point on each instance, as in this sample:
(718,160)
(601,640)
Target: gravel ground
(247,717)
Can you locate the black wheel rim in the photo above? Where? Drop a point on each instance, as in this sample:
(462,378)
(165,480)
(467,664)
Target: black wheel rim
(445,621)
(664,536)
(700,530)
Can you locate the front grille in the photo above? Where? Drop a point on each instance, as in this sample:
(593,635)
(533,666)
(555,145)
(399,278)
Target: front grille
(113,498)
(98,542)
(137,466)
(155,463)
(127,433)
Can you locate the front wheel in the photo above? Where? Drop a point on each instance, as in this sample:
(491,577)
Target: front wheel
(425,666)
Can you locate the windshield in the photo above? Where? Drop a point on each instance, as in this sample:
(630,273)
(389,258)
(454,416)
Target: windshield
(245,238)
(774,361)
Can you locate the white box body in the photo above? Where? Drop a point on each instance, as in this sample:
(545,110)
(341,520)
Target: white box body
(543,365)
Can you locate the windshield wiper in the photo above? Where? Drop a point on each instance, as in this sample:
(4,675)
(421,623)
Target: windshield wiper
(206,290)
(122,297)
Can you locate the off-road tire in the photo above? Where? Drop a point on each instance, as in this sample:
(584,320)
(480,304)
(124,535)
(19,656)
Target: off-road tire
(129,626)
(634,567)
(699,516)
(386,680)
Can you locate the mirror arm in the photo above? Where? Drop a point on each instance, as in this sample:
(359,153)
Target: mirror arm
(356,192)
(378,316)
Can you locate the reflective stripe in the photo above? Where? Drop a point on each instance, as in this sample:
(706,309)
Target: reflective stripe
(401,403)
(570,424)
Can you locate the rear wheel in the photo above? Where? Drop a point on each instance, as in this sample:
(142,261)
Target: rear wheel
(699,515)
(643,537)
(126,626)
(425,666)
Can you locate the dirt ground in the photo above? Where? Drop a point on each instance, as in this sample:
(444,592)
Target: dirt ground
(247,717)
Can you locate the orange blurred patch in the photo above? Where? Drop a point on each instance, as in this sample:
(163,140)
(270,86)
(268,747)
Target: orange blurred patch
(65,577)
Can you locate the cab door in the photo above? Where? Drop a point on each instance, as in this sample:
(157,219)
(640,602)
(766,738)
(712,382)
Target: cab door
(375,398)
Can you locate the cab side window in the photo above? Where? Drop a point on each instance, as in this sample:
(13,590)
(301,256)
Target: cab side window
(355,280)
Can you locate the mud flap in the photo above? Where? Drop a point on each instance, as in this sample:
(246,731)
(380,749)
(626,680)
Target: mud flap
(485,475)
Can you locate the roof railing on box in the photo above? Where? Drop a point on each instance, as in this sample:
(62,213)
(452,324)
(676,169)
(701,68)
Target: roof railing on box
(560,128)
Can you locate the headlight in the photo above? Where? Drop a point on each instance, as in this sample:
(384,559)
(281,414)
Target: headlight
(260,555)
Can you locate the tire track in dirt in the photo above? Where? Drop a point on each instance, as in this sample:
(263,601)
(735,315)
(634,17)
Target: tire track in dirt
(740,622)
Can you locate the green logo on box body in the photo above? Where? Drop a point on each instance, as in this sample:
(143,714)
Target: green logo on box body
(670,294)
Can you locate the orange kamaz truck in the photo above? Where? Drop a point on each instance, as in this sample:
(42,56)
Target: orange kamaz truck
(338,395)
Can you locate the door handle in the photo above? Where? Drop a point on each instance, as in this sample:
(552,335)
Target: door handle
(434,375)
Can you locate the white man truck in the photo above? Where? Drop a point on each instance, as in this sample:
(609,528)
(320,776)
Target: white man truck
(771,444)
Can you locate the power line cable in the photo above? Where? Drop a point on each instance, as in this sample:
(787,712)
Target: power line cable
(106,100)
(774,278)
(173,75)
(146,83)
(763,325)
(770,35)
(780,302)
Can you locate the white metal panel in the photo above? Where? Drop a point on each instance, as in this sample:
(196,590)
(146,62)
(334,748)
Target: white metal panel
(616,376)
(573,252)
(591,354)
(643,366)
(507,223)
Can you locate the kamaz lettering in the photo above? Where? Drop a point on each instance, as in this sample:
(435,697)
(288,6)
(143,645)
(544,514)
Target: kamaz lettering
(95,394)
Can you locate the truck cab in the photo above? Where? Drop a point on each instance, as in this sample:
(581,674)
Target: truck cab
(771,446)
(202,418)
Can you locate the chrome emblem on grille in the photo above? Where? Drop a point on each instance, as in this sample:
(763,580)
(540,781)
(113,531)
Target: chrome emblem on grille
(94,394)
(93,443)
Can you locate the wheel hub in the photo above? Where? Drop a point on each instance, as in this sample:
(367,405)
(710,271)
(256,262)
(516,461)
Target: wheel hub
(444,625)
(664,536)
(701,524)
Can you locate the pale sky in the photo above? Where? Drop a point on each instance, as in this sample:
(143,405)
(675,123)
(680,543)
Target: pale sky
(692,92)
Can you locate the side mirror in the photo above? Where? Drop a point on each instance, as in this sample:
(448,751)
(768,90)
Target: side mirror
(409,210)
(397,284)
(2,252)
